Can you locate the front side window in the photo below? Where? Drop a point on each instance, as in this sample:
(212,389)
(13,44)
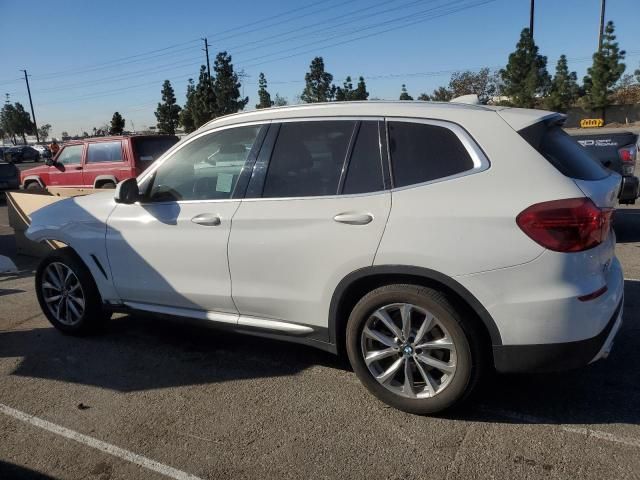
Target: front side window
(104,152)
(307,159)
(206,168)
(70,155)
(423,152)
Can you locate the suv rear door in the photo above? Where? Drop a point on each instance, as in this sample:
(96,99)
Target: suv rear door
(105,161)
(314,212)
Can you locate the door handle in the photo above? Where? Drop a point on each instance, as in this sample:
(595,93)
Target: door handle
(354,218)
(207,219)
(78,168)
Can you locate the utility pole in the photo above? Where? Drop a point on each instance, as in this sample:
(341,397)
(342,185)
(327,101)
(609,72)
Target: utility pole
(206,51)
(33,115)
(531,18)
(602,2)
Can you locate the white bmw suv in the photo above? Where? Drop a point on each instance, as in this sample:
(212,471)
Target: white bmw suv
(427,241)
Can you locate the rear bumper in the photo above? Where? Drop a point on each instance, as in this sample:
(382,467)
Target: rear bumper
(629,189)
(558,356)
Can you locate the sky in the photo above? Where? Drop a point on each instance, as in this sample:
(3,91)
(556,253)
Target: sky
(89,59)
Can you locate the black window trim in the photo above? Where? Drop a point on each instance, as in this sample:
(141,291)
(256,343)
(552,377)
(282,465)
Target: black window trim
(261,166)
(480,160)
(149,175)
(122,152)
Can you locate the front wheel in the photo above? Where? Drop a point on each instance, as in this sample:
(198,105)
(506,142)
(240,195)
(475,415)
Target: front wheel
(412,349)
(68,295)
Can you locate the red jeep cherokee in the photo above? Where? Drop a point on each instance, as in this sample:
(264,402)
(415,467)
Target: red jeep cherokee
(97,162)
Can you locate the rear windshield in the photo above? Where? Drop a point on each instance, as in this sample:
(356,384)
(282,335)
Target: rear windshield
(563,152)
(149,149)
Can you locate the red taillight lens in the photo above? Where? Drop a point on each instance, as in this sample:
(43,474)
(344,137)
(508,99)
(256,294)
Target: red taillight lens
(628,154)
(571,225)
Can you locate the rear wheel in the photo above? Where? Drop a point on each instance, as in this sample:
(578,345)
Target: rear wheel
(68,295)
(410,346)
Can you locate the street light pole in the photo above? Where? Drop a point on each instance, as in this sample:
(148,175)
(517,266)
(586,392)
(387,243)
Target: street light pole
(602,6)
(531,18)
(33,115)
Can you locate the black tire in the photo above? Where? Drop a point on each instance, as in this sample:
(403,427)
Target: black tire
(34,187)
(467,340)
(107,185)
(94,316)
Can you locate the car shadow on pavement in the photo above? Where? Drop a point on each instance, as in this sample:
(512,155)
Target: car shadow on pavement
(140,352)
(627,225)
(11,471)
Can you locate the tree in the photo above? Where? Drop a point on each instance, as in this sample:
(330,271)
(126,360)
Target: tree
(85,134)
(16,121)
(117,124)
(441,94)
(404,95)
(8,121)
(168,112)
(606,70)
(318,83)
(186,115)
(43,132)
(564,88)
(348,93)
(279,101)
(64,134)
(205,106)
(263,94)
(227,87)
(482,83)
(627,91)
(525,76)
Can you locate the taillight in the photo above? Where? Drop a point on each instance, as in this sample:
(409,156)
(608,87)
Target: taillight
(628,156)
(570,225)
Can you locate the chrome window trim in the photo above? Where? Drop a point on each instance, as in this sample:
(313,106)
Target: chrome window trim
(480,160)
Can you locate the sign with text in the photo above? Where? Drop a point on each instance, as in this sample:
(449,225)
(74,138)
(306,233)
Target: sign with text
(591,123)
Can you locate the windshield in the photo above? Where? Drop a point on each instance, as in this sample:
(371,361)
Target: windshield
(148,149)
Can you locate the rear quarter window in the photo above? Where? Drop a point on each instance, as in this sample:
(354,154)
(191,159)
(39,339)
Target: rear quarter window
(422,152)
(563,152)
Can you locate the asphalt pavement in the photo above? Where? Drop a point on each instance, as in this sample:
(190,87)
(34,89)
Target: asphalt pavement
(152,398)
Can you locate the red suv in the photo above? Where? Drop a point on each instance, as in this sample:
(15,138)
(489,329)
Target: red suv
(97,162)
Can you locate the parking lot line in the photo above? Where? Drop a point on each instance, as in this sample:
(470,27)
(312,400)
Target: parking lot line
(98,444)
(588,432)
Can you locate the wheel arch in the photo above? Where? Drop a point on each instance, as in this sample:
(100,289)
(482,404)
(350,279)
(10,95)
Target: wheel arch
(102,179)
(32,178)
(355,285)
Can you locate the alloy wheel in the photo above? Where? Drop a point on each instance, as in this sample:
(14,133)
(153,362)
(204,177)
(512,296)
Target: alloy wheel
(408,350)
(63,294)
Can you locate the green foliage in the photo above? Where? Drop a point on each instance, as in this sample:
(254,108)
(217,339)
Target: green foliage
(483,83)
(168,112)
(404,95)
(117,124)
(14,120)
(606,70)
(279,101)
(564,89)
(441,94)
(227,87)
(43,132)
(318,83)
(205,105)
(525,76)
(186,115)
(263,94)
(348,93)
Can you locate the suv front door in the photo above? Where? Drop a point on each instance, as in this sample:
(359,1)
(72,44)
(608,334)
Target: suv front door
(168,253)
(317,215)
(67,169)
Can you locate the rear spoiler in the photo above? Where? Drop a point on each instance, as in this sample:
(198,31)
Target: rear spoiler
(520,118)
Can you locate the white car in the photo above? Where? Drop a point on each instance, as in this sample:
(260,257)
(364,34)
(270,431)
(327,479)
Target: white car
(428,241)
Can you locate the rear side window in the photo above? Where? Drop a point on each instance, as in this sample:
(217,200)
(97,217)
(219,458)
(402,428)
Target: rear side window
(422,152)
(307,159)
(148,149)
(563,152)
(104,152)
(365,167)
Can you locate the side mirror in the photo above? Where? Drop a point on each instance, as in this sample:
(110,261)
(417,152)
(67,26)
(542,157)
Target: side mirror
(127,191)
(48,161)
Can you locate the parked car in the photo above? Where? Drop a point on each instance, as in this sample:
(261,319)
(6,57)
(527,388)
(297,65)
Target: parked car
(43,150)
(21,153)
(381,229)
(3,149)
(97,162)
(9,177)
(617,150)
